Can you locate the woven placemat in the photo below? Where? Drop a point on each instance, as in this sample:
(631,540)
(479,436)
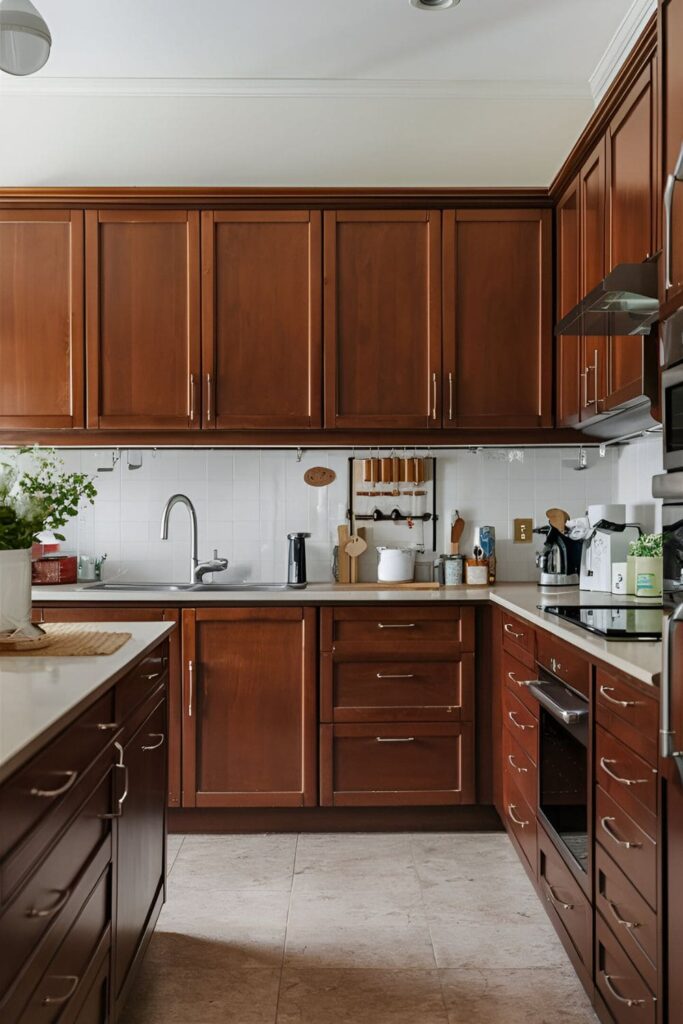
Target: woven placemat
(71,640)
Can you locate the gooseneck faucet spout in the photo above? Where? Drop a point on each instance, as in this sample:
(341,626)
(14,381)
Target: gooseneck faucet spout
(182,499)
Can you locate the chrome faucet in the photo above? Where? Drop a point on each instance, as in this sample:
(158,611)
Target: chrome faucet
(197,569)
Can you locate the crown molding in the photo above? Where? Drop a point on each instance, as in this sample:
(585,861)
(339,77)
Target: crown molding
(619,46)
(292,88)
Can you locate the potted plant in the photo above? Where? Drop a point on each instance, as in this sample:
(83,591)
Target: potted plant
(647,554)
(36,494)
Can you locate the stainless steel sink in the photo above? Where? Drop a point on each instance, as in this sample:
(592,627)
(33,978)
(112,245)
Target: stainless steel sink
(238,587)
(139,586)
(195,587)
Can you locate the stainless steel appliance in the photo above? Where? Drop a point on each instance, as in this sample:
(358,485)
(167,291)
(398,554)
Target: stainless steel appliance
(559,560)
(296,562)
(614,622)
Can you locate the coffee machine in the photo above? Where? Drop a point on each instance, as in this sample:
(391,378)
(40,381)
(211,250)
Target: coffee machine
(606,543)
(559,560)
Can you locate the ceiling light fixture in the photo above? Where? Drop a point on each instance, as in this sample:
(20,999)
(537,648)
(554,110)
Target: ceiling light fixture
(433,5)
(25,39)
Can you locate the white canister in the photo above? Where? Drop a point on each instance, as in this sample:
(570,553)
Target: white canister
(395,565)
(648,576)
(619,577)
(15,590)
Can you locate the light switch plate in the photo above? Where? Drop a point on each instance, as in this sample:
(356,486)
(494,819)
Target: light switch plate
(523,531)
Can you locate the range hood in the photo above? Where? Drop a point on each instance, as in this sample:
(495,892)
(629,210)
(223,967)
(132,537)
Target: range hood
(625,302)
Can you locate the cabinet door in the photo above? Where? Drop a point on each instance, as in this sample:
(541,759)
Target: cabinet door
(592,236)
(41,319)
(382,318)
(630,172)
(497,318)
(569,394)
(671,47)
(142,312)
(261,319)
(250,707)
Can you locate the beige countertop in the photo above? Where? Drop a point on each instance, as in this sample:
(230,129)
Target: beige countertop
(641,659)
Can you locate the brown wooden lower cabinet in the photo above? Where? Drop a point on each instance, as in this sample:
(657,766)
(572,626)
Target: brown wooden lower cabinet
(567,905)
(631,919)
(520,821)
(620,986)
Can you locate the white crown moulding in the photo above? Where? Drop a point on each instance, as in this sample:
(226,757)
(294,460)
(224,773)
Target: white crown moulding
(288,88)
(619,46)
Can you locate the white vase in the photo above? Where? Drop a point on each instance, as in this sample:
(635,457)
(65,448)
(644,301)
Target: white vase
(648,572)
(15,591)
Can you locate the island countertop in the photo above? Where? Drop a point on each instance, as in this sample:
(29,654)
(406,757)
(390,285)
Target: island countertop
(40,696)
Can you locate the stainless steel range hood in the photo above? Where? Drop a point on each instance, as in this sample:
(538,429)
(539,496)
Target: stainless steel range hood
(625,302)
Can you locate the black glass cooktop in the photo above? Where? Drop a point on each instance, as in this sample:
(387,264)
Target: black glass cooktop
(614,622)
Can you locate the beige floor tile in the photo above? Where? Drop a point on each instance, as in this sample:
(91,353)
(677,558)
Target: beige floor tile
(457,856)
(236,863)
(509,943)
(358,930)
(360,997)
(526,996)
(362,862)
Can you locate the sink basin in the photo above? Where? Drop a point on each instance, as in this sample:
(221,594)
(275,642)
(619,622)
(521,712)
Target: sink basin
(238,587)
(196,587)
(140,586)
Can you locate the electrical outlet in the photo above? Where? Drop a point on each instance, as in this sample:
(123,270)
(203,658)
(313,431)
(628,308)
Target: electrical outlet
(523,531)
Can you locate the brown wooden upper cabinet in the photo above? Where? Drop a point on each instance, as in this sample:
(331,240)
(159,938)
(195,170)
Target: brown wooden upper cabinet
(569,347)
(142,316)
(671,68)
(497,311)
(261,319)
(592,189)
(41,319)
(382,318)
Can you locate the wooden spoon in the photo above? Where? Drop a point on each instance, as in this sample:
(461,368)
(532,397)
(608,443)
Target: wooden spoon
(456,533)
(558,518)
(354,549)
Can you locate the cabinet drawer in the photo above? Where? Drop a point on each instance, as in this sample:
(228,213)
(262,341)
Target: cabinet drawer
(629,917)
(521,724)
(627,844)
(37,907)
(517,677)
(397,690)
(39,793)
(628,779)
(563,661)
(625,993)
(95,1006)
(519,819)
(400,627)
(389,764)
(521,767)
(518,638)
(569,908)
(134,688)
(628,714)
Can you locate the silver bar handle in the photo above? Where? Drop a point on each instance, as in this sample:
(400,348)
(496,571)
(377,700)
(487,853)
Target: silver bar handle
(523,682)
(552,898)
(151,675)
(154,746)
(604,762)
(191,399)
(104,726)
(190,673)
(54,909)
(450,394)
(619,998)
(208,397)
(512,715)
(73,980)
(49,793)
(395,739)
(120,801)
(434,383)
(396,625)
(395,675)
(508,629)
(595,377)
(513,763)
(676,175)
(517,821)
(584,378)
(614,837)
(606,690)
(617,917)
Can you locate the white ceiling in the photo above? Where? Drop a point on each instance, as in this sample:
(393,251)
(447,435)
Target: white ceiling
(356,92)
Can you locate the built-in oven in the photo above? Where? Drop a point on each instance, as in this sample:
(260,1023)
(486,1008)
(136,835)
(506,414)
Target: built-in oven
(563,766)
(672,391)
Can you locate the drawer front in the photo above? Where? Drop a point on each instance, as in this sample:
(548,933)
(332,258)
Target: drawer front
(517,677)
(521,767)
(392,690)
(519,819)
(38,791)
(388,765)
(567,905)
(628,779)
(134,688)
(628,714)
(95,1006)
(37,907)
(632,849)
(521,723)
(60,984)
(627,996)
(402,626)
(629,917)
(518,638)
(563,661)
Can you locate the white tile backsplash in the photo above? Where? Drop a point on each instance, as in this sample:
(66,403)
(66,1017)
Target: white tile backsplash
(247,502)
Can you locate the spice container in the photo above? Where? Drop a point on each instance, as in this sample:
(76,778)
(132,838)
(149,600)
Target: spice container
(450,569)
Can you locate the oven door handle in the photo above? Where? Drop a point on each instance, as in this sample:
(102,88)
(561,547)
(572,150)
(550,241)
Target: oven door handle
(566,715)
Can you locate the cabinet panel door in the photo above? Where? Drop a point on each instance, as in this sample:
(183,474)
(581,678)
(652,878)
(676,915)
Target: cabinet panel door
(261,311)
(569,380)
(382,318)
(497,318)
(671,46)
(630,157)
(592,235)
(41,319)
(250,707)
(142,309)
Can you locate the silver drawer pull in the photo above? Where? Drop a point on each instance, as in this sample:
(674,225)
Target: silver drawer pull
(104,726)
(508,629)
(606,690)
(521,682)
(119,764)
(512,716)
(617,917)
(70,779)
(395,675)
(73,980)
(396,625)
(517,821)
(154,746)
(604,762)
(395,739)
(150,675)
(615,838)
(513,763)
(190,684)
(552,898)
(620,999)
(54,909)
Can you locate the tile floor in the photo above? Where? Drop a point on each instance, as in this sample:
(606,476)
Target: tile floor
(353,929)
